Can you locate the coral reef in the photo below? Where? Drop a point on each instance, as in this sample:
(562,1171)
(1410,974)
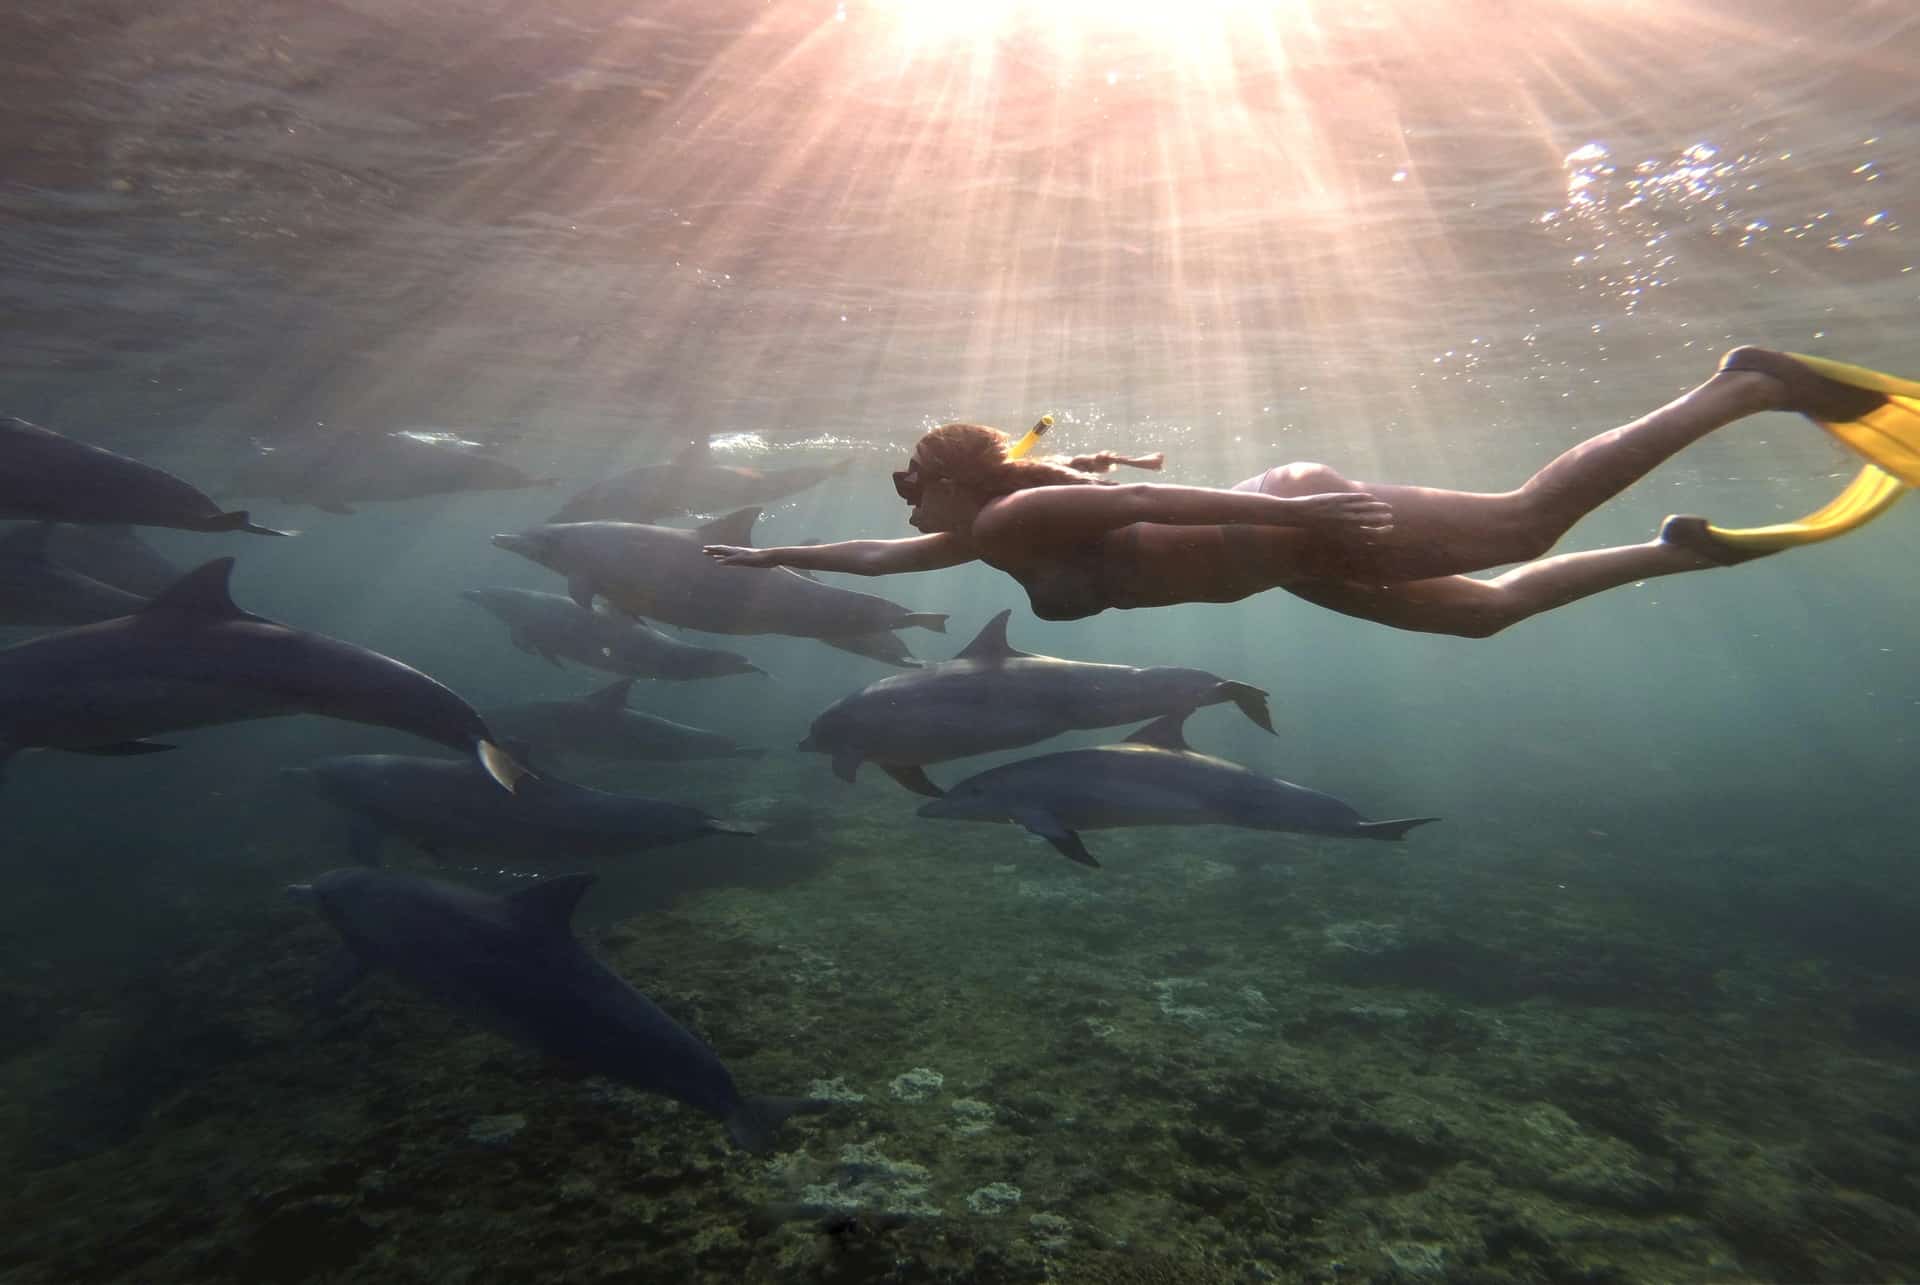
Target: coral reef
(1436,1070)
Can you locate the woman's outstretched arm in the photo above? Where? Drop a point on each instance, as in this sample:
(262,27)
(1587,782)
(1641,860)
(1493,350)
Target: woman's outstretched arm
(856,557)
(1069,514)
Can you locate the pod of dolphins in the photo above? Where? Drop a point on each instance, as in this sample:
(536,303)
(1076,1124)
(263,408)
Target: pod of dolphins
(141,649)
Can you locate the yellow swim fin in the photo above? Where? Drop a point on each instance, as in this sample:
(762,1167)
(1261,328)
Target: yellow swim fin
(1874,415)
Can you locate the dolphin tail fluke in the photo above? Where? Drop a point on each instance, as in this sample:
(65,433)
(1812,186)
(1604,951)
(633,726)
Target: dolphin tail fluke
(753,1124)
(934,620)
(1251,700)
(1390,829)
(501,766)
(239,520)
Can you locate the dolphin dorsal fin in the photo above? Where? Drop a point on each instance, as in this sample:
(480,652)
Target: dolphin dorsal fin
(612,696)
(202,591)
(736,528)
(1163,733)
(548,905)
(694,452)
(991,644)
(29,541)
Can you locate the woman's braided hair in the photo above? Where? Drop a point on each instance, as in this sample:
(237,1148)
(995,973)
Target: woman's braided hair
(975,456)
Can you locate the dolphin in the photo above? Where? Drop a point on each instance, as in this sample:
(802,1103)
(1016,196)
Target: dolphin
(1152,778)
(660,573)
(689,483)
(334,470)
(191,658)
(990,697)
(450,805)
(35,590)
(48,477)
(556,627)
(513,965)
(113,555)
(601,726)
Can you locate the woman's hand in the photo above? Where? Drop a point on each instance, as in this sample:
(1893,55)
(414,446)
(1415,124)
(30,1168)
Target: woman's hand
(1343,510)
(728,555)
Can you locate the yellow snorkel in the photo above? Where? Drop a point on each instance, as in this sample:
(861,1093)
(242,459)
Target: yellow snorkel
(1020,448)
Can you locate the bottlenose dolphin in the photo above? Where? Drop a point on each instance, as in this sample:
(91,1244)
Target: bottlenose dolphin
(114,555)
(46,477)
(1152,778)
(990,697)
(333,470)
(450,805)
(601,726)
(512,964)
(660,573)
(556,627)
(689,483)
(191,658)
(35,590)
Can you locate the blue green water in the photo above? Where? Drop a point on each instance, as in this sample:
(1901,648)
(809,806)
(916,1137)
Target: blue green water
(1644,1005)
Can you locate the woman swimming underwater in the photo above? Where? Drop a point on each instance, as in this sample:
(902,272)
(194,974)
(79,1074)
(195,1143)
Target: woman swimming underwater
(1399,555)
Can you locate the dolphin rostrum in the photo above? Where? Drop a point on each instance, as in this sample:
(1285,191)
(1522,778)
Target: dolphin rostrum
(660,573)
(191,658)
(445,806)
(556,627)
(47,477)
(1152,778)
(512,964)
(990,697)
(601,726)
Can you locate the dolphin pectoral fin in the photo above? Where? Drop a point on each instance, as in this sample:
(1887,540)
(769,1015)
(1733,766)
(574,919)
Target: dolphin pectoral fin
(846,765)
(364,840)
(124,749)
(342,975)
(914,778)
(240,520)
(1066,842)
(1389,829)
(500,765)
(581,590)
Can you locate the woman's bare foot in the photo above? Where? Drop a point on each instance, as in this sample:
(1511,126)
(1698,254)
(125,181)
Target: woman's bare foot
(1804,390)
(1683,531)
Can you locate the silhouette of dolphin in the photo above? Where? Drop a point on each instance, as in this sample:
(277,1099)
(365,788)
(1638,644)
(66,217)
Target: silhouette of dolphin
(660,573)
(600,725)
(36,590)
(556,627)
(450,805)
(512,964)
(47,477)
(990,697)
(191,658)
(1152,778)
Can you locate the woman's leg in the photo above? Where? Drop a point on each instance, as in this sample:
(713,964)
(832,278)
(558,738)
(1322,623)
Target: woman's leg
(1469,608)
(1439,533)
